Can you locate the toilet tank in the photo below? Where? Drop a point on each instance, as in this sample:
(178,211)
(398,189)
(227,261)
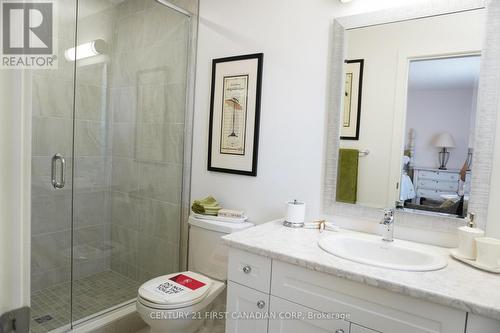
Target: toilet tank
(207,251)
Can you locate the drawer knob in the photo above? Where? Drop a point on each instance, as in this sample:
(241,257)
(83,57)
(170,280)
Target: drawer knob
(261,304)
(247,269)
(339,331)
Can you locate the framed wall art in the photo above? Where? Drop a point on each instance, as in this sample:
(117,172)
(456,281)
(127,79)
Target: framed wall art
(233,139)
(351,113)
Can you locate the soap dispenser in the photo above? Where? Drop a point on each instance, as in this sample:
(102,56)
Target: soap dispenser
(467,238)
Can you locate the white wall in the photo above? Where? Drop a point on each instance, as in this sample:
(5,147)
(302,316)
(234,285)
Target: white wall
(294,36)
(431,112)
(383,48)
(14,262)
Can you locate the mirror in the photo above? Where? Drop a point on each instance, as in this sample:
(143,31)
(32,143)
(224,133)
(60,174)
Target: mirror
(408,114)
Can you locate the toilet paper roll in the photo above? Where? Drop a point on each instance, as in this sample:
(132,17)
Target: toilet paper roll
(295,212)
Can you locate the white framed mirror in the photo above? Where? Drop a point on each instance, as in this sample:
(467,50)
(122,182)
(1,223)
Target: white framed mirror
(422,112)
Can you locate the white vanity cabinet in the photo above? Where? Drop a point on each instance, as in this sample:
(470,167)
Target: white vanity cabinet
(479,324)
(242,301)
(291,317)
(279,291)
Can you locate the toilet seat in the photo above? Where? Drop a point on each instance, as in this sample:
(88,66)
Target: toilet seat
(174,291)
(178,320)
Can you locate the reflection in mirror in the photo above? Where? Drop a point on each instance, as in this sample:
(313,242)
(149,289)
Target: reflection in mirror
(408,113)
(440,118)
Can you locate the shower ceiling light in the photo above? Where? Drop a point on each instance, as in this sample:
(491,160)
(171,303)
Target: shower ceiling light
(86,50)
(345,1)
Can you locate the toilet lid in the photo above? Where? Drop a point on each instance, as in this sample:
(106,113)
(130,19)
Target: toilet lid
(175,290)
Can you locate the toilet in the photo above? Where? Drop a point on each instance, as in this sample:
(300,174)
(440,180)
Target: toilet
(172,303)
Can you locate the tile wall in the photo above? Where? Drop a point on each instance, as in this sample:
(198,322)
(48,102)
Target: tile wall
(147,98)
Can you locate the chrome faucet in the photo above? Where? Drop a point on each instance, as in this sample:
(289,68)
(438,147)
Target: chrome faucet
(388,223)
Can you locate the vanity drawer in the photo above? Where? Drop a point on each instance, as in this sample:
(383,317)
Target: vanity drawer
(367,306)
(294,318)
(250,270)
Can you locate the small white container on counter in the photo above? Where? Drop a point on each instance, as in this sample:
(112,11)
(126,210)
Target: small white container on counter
(295,214)
(488,252)
(467,239)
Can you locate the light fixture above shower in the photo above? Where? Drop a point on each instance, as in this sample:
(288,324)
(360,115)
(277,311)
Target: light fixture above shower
(86,50)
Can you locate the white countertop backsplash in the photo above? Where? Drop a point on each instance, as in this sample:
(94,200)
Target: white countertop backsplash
(457,285)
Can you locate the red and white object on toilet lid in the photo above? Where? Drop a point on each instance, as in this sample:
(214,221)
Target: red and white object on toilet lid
(175,290)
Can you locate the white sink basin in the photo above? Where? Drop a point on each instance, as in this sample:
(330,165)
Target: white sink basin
(371,250)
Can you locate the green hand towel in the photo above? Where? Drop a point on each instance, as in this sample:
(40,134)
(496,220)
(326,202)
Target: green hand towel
(207,206)
(197,208)
(208,201)
(347,176)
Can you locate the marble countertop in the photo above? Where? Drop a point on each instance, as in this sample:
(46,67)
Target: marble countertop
(457,285)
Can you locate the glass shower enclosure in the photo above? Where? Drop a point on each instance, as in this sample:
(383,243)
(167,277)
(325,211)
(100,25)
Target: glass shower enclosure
(108,160)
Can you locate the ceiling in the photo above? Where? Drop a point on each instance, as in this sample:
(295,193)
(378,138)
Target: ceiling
(444,73)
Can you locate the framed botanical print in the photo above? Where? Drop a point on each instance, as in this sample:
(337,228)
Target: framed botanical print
(351,112)
(233,139)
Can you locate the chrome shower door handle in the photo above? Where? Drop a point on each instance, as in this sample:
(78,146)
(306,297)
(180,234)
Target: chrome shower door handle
(62,177)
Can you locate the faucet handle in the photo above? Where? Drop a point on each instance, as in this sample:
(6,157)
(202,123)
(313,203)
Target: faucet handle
(388,216)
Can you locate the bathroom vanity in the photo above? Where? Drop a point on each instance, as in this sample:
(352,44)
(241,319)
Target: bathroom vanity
(281,279)
(381,140)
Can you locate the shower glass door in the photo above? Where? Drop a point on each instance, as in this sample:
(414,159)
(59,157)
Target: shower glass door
(51,93)
(120,126)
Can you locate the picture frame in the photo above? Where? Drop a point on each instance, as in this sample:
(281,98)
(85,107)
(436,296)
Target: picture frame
(351,111)
(233,139)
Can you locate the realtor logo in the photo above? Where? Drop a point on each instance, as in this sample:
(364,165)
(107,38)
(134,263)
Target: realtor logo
(28,34)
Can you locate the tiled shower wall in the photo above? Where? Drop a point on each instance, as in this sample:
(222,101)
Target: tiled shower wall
(128,147)
(148,104)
